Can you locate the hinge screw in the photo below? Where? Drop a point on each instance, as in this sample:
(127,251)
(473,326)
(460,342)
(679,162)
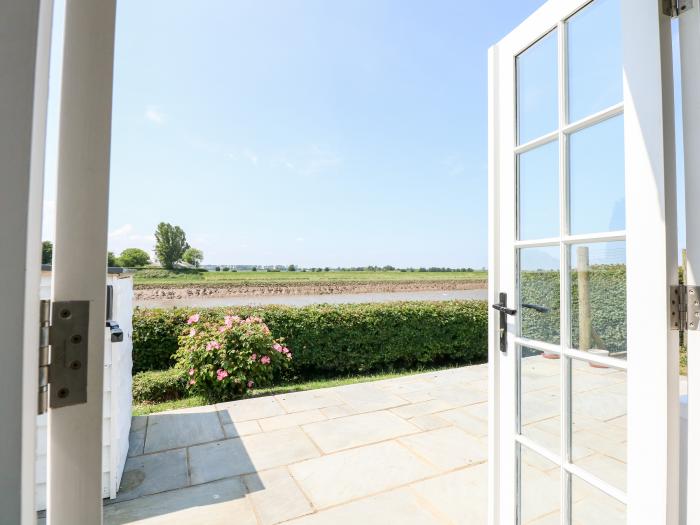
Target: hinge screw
(76,339)
(62,393)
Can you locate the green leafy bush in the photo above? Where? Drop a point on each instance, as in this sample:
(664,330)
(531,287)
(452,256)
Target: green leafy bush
(607,289)
(335,340)
(159,385)
(223,359)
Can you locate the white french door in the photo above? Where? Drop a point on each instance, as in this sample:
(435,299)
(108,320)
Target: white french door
(584,375)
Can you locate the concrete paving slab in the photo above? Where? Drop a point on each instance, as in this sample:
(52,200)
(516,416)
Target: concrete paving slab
(351,474)
(276,497)
(460,496)
(310,400)
(422,408)
(365,397)
(402,506)
(248,454)
(218,503)
(446,448)
(291,420)
(362,429)
(182,428)
(429,422)
(242,428)
(249,409)
(153,473)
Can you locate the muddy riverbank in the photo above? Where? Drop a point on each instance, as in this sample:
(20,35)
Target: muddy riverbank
(177,291)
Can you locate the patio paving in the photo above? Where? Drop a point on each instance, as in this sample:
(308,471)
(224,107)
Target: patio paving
(409,450)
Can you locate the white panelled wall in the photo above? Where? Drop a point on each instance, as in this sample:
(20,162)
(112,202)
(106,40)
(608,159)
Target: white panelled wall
(116,407)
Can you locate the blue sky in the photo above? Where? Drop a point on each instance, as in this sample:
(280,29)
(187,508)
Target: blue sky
(313,132)
(307,132)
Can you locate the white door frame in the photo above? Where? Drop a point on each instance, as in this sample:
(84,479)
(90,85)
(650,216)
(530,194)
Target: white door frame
(74,432)
(689,37)
(652,365)
(25,38)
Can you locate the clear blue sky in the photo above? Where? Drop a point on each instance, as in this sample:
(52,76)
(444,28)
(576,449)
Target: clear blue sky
(314,132)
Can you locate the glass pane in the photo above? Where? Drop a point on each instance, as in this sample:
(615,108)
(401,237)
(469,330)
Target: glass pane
(538,192)
(539,489)
(597,178)
(599,298)
(590,506)
(594,37)
(599,421)
(540,398)
(539,293)
(537,89)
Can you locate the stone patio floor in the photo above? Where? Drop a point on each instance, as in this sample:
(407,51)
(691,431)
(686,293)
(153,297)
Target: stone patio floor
(410,450)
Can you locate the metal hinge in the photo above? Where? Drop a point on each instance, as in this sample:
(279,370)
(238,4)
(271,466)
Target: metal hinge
(63,351)
(685,307)
(676,7)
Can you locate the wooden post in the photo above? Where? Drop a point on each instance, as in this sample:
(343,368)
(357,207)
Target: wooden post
(584,299)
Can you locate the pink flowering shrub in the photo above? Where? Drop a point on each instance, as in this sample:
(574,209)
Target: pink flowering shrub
(224,359)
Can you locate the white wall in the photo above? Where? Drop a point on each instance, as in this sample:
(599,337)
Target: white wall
(116,409)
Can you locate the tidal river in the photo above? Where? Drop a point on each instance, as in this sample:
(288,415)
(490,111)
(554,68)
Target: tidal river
(303,300)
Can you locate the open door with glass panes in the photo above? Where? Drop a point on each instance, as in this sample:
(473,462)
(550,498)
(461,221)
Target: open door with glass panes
(584,373)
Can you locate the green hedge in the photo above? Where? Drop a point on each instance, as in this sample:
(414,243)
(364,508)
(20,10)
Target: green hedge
(159,385)
(607,285)
(329,340)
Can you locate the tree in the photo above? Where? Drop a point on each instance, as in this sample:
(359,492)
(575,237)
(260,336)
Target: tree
(133,257)
(291,268)
(193,256)
(171,244)
(46,252)
(112,260)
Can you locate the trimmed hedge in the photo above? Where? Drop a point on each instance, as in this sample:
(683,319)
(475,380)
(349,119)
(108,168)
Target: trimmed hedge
(607,299)
(159,385)
(331,340)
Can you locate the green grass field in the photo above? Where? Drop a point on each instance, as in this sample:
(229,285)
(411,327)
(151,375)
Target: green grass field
(157,277)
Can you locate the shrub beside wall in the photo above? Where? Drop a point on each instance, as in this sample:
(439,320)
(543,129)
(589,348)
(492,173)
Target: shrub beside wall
(329,340)
(159,385)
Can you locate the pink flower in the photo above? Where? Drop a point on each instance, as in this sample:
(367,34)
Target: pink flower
(265,360)
(222,329)
(285,350)
(253,357)
(192,381)
(213,345)
(193,319)
(277,347)
(221,374)
(265,329)
(230,319)
(250,384)
(191,371)
(193,332)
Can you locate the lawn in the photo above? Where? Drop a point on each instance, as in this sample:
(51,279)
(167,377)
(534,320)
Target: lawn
(165,277)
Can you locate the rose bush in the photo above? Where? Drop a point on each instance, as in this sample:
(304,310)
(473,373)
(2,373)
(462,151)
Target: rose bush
(225,357)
